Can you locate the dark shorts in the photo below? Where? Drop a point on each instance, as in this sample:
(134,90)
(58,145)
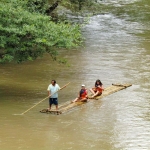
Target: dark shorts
(53,101)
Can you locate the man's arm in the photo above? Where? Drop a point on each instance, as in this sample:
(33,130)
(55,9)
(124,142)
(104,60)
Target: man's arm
(49,93)
(48,90)
(58,87)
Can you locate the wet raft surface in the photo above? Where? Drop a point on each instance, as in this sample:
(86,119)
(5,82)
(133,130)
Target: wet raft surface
(69,106)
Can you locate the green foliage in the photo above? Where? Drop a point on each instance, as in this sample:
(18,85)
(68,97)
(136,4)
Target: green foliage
(78,5)
(79,2)
(39,6)
(26,36)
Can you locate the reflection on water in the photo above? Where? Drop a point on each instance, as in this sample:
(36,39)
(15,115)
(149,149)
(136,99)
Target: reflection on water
(113,53)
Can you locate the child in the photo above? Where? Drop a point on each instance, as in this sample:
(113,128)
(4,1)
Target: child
(98,89)
(82,97)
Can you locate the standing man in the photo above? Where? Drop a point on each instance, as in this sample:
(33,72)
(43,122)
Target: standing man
(53,88)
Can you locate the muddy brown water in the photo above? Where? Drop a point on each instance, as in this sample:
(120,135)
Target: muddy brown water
(114,53)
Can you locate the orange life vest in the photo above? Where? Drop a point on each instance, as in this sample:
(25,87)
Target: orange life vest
(100,90)
(83,93)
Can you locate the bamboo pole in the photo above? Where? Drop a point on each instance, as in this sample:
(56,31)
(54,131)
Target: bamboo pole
(44,99)
(109,90)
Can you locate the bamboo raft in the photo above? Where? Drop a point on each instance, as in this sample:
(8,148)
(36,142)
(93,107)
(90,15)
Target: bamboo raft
(65,107)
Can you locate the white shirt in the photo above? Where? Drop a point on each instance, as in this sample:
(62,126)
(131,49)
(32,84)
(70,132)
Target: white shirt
(53,89)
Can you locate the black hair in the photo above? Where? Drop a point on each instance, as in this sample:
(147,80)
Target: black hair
(54,81)
(100,83)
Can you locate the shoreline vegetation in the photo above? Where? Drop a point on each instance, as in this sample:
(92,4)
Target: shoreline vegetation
(28,33)
(29,29)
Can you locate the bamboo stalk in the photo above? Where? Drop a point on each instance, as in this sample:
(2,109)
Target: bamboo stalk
(109,90)
(44,99)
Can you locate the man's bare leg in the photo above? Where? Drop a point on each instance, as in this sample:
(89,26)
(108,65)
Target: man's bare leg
(56,107)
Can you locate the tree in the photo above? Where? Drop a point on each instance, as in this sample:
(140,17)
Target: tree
(26,36)
(37,5)
(83,3)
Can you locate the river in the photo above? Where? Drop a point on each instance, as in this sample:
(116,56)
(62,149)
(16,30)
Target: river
(116,50)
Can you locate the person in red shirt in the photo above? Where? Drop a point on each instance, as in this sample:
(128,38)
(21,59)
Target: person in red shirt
(98,89)
(82,97)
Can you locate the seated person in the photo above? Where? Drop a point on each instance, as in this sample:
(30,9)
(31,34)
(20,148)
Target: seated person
(82,97)
(98,89)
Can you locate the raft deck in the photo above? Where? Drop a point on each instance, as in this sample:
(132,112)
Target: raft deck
(65,107)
